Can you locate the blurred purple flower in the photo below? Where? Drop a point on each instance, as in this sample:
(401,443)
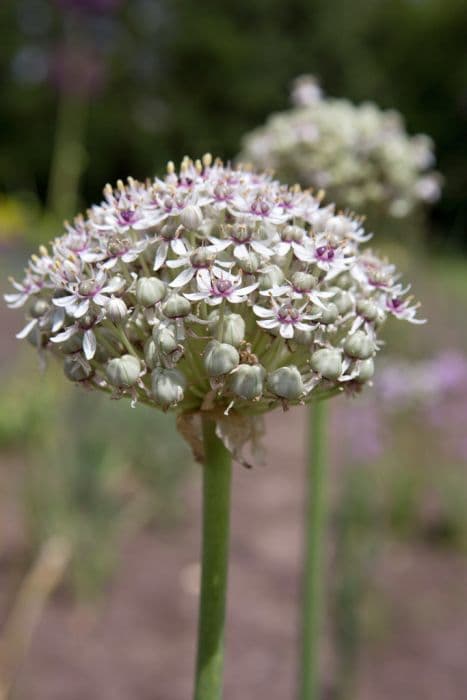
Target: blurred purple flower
(90,5)
(361,426)
(77,71)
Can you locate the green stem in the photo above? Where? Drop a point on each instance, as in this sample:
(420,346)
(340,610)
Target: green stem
(68,156)
(315,521)
(215,546)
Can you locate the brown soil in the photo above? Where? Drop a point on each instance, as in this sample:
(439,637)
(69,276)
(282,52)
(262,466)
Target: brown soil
(138,643)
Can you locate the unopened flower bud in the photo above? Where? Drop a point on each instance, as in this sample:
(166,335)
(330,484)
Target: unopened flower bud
(116,309)
(272,276)
(286,382)
(233,328)
(220,358)
(71,345)
(123,372)
(151,355)
(366,370)
(247,381)
(166,339)
(150,290)
(343,302)
(303,281)
(39,308)
(344,281)
(176,306)
(167,386)
(249,264)
(329,314)
(327,363)
(359,346)
(367,309)
(304,337)
(77,368)
(191,217)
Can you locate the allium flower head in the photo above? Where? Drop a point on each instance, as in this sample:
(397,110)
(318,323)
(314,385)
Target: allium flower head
(214,289)
(360,154)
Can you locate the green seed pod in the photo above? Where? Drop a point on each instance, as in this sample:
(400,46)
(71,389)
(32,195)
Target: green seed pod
(271,276)
(303,281)
(191,217)
(327,362)
(76,368)
(167,386)
(150,290)
(247,381)
(116,310)
(304,337)
(344,281)
(359,346)
(343,302)
(249,264)
(73,344)
(367,309)
(366,370)
(151,355)
(329,314)
(220,358)
(165,339)
(176,306)
(123,371)
(286,382)
(39,308)
(233,328)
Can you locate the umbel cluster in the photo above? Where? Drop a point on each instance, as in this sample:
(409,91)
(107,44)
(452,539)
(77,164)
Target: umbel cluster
(361,154)
(213,289)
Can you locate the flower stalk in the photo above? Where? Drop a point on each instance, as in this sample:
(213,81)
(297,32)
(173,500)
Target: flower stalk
(315,525)
(214,565)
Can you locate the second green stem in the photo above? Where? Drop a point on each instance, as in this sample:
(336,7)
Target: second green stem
(312,585)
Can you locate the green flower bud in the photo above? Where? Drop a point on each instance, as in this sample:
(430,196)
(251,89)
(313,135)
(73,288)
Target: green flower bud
(233,328)
(176,306)
(249,264)
(73,344)
(367,309)
(286,382)
(39,308)
(167,386)
(327,362)
(271,276)
(329,314)
(247,381)
(77,368)
(150,290)
(165,339)
(220,358)
(303,281)
(201,257)
(151,355)
(359,346)
(123,371)
(366,370)
(116,310)
(191,217)
(304,337)
(343,302)
(344,281)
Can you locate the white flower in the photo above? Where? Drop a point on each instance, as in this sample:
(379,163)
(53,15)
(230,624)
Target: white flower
(214,290)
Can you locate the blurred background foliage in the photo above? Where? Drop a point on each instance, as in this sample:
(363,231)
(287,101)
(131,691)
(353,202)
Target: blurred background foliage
(152,80)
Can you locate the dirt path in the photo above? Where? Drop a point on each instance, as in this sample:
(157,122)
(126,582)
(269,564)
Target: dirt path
(140,645)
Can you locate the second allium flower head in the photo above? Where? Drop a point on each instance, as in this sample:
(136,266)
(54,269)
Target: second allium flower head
(361,154)
(214,289)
